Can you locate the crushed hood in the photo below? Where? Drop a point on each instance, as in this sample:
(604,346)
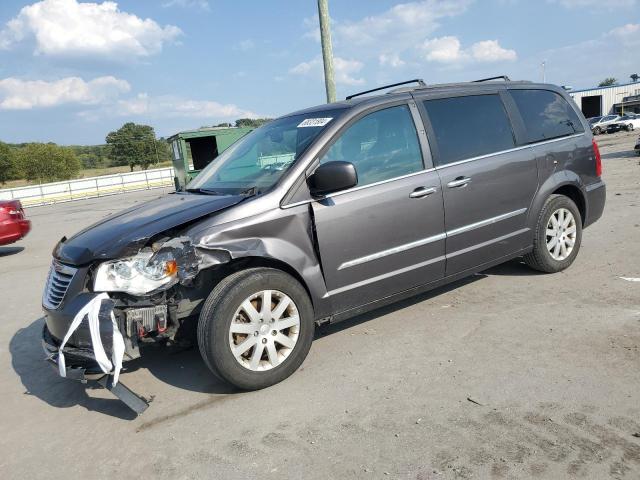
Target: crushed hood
(124,233)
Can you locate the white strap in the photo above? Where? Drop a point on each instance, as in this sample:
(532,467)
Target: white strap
(92,311)
(77,320)
(96,341)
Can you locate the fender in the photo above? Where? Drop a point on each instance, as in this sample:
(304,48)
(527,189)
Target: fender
(284,235)
(555,181)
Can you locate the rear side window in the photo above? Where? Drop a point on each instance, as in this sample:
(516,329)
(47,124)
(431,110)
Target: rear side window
(467,127)
(382,145)
(546,115)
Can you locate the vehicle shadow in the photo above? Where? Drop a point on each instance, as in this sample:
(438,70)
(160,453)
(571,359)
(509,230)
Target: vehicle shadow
(180,368)
(623,154)
(512,268)
(515,267)
(40,380)
(327,330)
(6,251)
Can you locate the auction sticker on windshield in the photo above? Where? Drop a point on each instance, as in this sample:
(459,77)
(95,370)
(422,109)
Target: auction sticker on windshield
(315,122)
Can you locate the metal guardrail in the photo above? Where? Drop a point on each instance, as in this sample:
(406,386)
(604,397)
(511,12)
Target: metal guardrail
(70,190)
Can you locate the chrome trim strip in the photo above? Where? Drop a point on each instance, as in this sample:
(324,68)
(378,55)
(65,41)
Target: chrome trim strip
(381,182)
(488,242)
(383,276)
(392,251)
(297,204)
(480,157)
(426,241)
(460,162)
(424,264)
(484,223)
(355,189)
(515,149)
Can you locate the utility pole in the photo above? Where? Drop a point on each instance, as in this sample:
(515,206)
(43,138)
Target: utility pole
(544,71)
(327,49)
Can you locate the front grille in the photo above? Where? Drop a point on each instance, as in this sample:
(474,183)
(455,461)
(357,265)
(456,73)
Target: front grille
(58,281)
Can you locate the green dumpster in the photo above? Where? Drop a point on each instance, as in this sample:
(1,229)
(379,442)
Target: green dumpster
(195,149)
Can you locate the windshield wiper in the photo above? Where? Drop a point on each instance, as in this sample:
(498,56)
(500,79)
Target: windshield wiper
(250,192)
(205,191)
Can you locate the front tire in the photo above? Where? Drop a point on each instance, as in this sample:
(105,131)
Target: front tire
(558,236)
(256,328)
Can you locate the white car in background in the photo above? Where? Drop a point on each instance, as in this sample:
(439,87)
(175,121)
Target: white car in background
(599,124)
(629,121)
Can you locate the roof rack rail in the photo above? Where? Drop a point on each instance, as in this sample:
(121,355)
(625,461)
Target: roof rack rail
(419,81)
(499,77)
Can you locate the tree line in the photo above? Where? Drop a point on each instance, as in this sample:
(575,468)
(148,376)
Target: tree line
(132,145)
(611,81)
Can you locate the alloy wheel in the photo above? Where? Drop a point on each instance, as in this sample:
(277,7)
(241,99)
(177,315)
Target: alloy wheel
(561,234)
(264,330)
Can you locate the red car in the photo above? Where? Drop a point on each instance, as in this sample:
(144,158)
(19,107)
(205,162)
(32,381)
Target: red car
(13,224)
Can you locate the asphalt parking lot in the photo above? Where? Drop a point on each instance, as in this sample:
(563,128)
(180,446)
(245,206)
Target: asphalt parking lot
(508,374)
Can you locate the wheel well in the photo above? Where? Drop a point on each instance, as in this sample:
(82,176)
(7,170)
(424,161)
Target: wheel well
(223,270)
(574,194)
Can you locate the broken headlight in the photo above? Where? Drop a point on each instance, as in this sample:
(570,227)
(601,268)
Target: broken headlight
(138,275)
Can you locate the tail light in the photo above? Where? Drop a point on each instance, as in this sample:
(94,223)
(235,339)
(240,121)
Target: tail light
(596,152)
(13,208)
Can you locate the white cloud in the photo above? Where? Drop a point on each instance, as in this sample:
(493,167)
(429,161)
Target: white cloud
(304,68)
(246,45)
(385,36)
(392,60)
(491,51)
(401,25)
(345,71)
(595,4)
(200,4)
(17,94)
(168,106)
(70,28)
(443,49)
(628,34)
(584,64)
(449,50)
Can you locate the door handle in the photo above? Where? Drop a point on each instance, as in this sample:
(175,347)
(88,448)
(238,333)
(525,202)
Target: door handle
(422,192)
(459,182)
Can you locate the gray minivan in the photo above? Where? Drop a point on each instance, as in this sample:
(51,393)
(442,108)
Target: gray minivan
(321,215)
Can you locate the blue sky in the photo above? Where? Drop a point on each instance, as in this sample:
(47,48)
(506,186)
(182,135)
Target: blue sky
(72,71)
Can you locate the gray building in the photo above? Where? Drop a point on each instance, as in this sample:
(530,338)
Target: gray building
(598,101)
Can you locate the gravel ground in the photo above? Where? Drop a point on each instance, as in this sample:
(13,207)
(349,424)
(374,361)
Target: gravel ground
(508,374)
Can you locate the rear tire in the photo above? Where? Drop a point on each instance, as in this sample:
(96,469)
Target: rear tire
(241,314)
(558,236)
(597,131)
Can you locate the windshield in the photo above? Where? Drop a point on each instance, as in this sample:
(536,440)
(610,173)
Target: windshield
(256,162)
(595,119)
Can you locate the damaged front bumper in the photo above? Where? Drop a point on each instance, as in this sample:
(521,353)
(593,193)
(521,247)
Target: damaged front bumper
(81,365)
(79,360)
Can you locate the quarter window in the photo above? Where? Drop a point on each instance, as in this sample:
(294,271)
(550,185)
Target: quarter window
(467,127)
(546,115)
(382,145)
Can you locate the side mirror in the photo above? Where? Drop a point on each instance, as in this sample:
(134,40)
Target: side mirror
(332,177)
